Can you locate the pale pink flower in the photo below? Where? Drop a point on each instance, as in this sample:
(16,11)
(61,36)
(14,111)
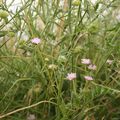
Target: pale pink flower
(109,61)
(71,76)
(85,61)
(36,40)
(88,78)
(92,67)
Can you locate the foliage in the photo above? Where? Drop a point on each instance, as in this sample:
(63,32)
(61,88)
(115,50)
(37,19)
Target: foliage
(69,31)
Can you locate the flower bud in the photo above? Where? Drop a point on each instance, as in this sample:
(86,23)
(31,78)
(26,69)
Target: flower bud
(76,2)
(3,14)
(46,59)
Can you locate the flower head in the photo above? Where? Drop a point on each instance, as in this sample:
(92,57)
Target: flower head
(47,59)
(71,76)
(92,67)
(109,61)
(88,78)
(85,61)
(36,40)
(52,67)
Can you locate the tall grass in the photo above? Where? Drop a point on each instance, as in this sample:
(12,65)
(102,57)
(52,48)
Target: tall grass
(33,77)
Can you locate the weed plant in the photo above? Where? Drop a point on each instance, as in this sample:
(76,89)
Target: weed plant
(60,60)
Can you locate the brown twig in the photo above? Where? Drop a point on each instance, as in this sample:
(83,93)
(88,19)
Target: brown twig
(24,108)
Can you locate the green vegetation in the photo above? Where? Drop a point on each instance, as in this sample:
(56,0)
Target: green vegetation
(60,60)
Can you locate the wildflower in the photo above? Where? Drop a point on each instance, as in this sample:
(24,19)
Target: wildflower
(31,117)
(88,78)
(92,67)
(52,66)
(71,76)
(109,61)
(46,59)
(36,40)
(86,61)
